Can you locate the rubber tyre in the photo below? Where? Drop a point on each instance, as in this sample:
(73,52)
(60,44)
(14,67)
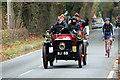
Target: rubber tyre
(116,26)
(85,55)
(79,56)
(51,63)
(108,51)
(45,61)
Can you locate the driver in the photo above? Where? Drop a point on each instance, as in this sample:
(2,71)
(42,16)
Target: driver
(58,26)
(63,20)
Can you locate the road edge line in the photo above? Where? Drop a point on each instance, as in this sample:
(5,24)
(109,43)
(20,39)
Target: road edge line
(26,72)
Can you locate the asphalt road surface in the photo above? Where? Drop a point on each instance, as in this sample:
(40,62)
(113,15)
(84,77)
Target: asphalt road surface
(98,66)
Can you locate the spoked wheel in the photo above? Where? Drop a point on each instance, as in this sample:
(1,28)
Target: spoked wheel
(45,61)
(85,55)
(108,51)
(80,56)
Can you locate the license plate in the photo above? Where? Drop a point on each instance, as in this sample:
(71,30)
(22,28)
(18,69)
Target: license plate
(97,23)
(62,53)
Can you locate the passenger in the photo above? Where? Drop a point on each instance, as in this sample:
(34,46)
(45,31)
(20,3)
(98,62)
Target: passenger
(84,28)
(73,27)
(84,25)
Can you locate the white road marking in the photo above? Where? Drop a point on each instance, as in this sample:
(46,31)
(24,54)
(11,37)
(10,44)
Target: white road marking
(29,71)
(110,74)
(26,72)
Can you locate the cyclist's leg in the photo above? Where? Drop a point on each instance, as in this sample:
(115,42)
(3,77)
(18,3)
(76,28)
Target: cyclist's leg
(106,45)
(105,39)
(110,38)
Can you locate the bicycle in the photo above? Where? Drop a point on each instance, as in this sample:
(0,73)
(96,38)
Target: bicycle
(109,46)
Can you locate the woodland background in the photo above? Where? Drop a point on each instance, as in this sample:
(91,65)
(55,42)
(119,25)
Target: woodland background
(29,20)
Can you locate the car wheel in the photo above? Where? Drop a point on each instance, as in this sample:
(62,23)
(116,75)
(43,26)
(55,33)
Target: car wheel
(79,56)
(116,25)
(45,61)
(119,26)
(85,55)
(51,63)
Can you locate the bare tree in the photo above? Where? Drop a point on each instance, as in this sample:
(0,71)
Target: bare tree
(0,16)
(9,13)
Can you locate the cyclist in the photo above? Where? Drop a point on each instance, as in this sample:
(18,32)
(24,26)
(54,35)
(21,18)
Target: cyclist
(58,26)
(108,31)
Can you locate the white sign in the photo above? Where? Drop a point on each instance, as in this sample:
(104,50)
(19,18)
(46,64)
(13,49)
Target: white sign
(94,16)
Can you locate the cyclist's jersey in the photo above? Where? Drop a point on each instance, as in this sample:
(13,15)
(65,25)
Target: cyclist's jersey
(108,29)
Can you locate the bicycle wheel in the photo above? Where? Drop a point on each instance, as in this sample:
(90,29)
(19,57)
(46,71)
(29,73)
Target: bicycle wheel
(108,50)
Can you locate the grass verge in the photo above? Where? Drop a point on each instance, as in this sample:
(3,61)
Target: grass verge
(19,48)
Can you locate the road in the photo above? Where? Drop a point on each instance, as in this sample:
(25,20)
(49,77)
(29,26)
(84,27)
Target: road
(98,66)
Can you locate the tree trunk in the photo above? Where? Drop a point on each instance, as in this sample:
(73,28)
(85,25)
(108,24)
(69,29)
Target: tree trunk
(9,13)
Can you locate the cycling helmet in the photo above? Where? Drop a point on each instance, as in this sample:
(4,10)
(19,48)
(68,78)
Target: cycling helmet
(107,19)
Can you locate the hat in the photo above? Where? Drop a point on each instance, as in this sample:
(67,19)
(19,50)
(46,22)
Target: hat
(73,18)
(62,15)
(77,15)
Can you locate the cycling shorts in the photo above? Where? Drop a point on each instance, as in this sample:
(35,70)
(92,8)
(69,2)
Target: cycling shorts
(107,36)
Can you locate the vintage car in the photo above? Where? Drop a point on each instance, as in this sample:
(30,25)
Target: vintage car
(64,47)
(118,22)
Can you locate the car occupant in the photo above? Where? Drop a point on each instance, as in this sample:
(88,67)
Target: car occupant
(63,20)
(58,26)
(74,26)
(87,29)
(84,27)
